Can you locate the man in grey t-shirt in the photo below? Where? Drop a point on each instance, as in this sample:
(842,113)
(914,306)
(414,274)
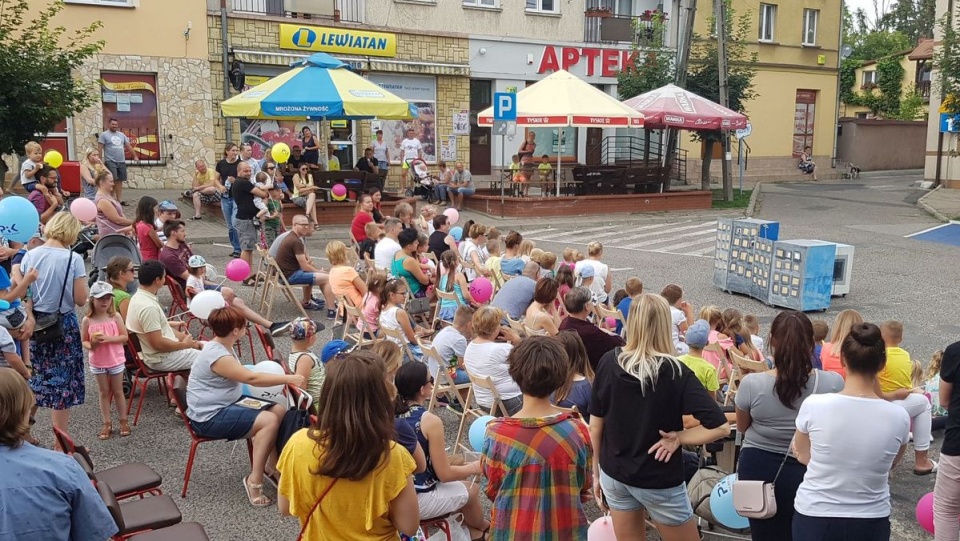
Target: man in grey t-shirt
(517,293)
(113,144)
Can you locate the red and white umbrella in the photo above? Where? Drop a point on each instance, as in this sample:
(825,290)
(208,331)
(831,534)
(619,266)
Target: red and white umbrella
(676,107)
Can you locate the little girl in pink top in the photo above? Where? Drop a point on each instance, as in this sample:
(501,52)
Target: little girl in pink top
(104,334)
(371,311)
(713,316)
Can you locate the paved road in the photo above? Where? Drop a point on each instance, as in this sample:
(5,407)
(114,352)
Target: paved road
(894,277)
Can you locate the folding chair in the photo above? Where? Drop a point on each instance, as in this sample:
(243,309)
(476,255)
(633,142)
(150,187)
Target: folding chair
(442,382)
(135,479)
(357,337)
(140,516)
(178,383)
(444,296)
(179,308)
(266,340)
(275,279)
(517,327)
(604,312)
(397,336)
(534,332)
(143,375)
(484,382)
(185,531)
(372,267)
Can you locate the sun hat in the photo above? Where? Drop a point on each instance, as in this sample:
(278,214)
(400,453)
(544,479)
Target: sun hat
(100,289)
(302,328)
(196,261)
(698,334)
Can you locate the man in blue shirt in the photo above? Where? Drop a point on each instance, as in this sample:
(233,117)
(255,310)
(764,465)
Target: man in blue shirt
(50,498)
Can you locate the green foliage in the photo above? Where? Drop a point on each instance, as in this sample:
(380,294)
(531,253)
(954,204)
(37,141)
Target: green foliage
(39,90)
(879,44)
(912,106)
(741,200)
(914,19)
(947,62)
(885,102)
(653,67)
(848,78)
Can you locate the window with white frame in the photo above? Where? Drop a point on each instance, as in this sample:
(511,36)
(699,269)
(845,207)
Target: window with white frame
(482,3)
(869,79)
(115,3)
(768,21)
(810,19)
(543,6)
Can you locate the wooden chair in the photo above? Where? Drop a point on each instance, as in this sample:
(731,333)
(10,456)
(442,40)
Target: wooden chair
(517,327)
(355,313)
(275,279)
(397,336)
(744,364)
(534,332)
(604,312)
(497,409)
(443,384)
(444,296)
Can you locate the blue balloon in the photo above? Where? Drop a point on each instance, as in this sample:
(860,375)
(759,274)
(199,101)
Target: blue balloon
(19,219)
(721,504)
(457,233)
(478,430)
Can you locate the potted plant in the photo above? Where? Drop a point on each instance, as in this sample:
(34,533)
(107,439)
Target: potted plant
(651,14)
(599,12)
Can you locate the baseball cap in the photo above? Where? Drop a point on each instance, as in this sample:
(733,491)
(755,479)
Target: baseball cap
(587,271)
(302,328)
(332,348)
(100,289)
(168,205)
(196,261)
(698,334)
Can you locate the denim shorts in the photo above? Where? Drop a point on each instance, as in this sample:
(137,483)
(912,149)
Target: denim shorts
(231,423)
(113,370)
(300,278)
(667,506)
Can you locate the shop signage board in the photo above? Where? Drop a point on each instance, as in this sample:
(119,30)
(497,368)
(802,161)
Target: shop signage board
(337,40)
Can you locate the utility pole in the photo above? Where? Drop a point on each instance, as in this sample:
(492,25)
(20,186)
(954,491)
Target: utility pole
(684,43)
(719,13)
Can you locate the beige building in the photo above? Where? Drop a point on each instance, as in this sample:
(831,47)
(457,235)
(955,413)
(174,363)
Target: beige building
(153,76)
(916,63)
(942,161)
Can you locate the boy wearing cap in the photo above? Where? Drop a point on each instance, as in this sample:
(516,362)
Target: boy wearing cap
(302,361)
(696,339)
(166,211)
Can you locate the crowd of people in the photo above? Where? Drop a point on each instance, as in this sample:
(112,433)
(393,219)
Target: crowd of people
(599,391)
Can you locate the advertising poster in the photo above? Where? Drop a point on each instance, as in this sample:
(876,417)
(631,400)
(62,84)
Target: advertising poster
(131,98)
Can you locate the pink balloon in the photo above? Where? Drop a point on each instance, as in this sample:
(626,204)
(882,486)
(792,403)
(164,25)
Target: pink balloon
(612,322)
(925,512)
(452,216)
(237,270)
(339,190)
(481,289)
(83,209)
(601,530)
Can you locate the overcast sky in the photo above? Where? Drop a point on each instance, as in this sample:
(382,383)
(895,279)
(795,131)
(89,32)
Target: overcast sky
(868,6)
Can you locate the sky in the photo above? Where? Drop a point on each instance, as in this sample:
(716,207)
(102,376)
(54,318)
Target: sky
(868,5)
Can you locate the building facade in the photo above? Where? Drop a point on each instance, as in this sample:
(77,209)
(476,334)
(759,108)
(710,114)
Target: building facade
(157,88)
(942,162)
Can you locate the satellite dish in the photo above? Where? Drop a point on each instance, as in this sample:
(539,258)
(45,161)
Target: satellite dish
(238,75)
(845,51)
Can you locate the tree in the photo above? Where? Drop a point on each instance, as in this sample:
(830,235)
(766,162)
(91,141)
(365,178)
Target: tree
(947,63)
(914,19)
(703,77)
(652,67)
(36,63)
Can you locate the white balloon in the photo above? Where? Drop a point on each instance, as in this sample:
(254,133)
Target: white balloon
(212,274)
(205,302)
(271,394)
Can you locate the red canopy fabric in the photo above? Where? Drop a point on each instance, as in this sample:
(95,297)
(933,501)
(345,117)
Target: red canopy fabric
(673,106)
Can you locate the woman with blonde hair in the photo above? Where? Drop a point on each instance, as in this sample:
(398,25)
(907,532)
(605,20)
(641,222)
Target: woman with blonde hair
(110,217)
(89,167)
(830,353)
(640,394)
(345,281)
(487,357)
(345,477)
(602,277)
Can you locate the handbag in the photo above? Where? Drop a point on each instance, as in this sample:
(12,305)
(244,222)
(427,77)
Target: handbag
(418,305)
(49,327)
(756,499)
(314,508)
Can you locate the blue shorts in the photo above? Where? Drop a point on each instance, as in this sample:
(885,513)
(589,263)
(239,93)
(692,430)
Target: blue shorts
(461,377)
(300,278)
(447,312)
(464,191)
(30,186)
(231,423)
(667,506)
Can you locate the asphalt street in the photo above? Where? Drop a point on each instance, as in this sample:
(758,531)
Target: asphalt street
(894,278)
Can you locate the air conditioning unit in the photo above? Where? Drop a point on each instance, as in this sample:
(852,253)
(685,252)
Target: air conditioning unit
(323,8)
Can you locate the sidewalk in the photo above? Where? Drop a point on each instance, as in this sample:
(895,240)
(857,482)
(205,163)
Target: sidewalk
(942,203)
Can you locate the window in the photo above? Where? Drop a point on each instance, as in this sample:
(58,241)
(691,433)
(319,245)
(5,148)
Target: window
(543,6)
(422,92)
(768,20)
(810,19)
(115,3)
(869,79)
(131,98)
(482,3)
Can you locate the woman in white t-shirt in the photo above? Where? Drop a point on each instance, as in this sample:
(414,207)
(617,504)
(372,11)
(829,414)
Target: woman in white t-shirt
(486,357)
(845,493)
(681,316)
(470,252)
(602,279)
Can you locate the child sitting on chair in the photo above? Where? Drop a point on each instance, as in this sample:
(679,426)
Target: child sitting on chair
(545,169)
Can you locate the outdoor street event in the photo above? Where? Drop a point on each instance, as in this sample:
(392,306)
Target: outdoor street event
(284,270)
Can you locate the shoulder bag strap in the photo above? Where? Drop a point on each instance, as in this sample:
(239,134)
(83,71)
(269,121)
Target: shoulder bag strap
(66,277)
(314,508)
(816,383)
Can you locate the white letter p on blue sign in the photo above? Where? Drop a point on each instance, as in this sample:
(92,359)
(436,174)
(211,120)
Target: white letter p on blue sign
(504,106)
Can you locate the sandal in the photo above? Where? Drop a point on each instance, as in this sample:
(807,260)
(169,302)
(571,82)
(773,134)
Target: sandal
(258,501)
(106,431)
(249,282)
(124,428)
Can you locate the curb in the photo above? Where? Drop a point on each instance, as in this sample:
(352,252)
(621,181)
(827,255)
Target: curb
(751,206)
(929,209)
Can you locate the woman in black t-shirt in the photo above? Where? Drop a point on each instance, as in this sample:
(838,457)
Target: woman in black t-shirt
(311,149)
(226,173)
(640,395)
(946,494)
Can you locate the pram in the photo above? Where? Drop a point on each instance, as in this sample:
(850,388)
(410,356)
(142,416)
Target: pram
(422,179)
(85,241)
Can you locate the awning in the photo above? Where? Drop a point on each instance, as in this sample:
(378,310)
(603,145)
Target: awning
(673,106)
(361,63)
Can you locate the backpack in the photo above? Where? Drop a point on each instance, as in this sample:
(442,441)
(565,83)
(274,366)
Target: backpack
(699,489)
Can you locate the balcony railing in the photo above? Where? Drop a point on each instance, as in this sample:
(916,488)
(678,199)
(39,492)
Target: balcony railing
(644,32)
(923,87)
(342,10)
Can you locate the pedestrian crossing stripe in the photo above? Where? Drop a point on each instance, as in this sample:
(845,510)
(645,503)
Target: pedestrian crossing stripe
(679,238)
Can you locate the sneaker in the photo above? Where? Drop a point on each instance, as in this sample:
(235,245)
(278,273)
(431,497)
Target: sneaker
(279,328)
(197,218)
(331,314)
(320,326)
(235,255)
(312,305)
(188,194)
(320,301)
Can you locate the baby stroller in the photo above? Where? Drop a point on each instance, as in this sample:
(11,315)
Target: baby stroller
(423,181)
(104,250)
(85,241)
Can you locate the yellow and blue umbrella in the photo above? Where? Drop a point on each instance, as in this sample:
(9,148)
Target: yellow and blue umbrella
(318,87)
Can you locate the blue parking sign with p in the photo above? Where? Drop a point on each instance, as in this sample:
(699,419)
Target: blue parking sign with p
(504,106)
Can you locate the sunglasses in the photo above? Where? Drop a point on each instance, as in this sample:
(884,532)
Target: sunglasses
(429,381)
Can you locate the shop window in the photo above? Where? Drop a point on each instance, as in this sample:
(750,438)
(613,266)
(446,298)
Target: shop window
(131,98)
(422,92)
(482,3)
(810,19)
(543,6)
(768,20)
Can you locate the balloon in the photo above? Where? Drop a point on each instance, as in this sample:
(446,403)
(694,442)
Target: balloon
(83,209)
(280,152)
(601,530)
(721,504)
(274,393)
(457,233)
(211,273)
(237,270)
(205,302)
(478,431)
(53,158)
(452,216)
(612,322)
(481,290)
(925,512)
(19,219)
(339,192)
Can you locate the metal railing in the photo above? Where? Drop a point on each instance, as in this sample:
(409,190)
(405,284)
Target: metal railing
(644,32)
(633,152)
(923,87)
(344,10)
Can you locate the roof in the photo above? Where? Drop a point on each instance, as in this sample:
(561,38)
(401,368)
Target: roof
(924,50)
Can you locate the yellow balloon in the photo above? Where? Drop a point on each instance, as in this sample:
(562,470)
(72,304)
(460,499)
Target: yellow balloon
(280,152)
(53,158)
(338,197)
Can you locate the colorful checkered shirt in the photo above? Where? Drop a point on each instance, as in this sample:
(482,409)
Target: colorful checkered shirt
(537,476)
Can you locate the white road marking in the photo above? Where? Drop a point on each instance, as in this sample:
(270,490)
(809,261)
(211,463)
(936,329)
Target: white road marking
(672,238)
(536,231)
(711,251)
(934,228)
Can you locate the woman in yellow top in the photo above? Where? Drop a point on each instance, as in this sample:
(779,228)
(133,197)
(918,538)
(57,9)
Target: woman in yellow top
(305,193)
(345,477)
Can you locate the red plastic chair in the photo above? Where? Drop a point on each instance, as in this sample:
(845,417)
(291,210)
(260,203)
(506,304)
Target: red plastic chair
(178,383)
(143,375)
(179,307)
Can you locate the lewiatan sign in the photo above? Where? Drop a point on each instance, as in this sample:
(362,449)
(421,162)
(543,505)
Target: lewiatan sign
(337,40)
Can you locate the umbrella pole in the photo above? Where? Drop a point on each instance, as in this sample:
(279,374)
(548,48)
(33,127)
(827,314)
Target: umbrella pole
(559,153)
